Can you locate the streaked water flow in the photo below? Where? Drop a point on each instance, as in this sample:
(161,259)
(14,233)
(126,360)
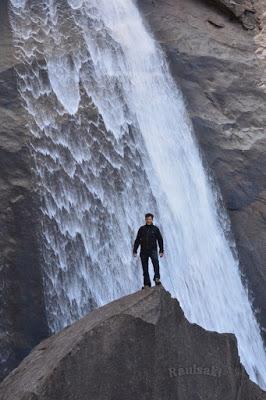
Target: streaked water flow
(112,140)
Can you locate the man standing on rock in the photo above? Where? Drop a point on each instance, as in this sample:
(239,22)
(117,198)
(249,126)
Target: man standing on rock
(147,237)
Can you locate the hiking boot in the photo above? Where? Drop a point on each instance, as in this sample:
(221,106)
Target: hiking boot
(157,281)
(145,286)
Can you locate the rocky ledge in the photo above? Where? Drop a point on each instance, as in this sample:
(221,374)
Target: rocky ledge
(138,347)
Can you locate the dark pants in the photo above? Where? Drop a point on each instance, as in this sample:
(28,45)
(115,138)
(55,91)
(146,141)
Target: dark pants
(144,255)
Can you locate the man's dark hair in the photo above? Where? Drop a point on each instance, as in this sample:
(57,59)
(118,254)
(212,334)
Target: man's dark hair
(149,215)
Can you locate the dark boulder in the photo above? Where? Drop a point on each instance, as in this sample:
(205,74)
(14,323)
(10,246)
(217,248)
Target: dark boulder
(138,347)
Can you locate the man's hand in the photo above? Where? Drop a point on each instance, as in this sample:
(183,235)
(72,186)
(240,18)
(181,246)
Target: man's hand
(161,254)
(135,254)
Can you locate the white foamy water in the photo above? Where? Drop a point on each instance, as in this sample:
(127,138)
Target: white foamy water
(111,141)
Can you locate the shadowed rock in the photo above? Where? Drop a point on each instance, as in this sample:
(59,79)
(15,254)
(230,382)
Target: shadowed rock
(22,316)
(138,347)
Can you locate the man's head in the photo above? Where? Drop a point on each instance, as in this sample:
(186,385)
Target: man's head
(149,218)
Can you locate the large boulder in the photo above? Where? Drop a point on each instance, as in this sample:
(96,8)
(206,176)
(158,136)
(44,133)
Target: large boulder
(138,347)
(220,67)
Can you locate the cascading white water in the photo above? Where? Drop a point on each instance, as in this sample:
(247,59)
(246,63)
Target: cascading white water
(111,141)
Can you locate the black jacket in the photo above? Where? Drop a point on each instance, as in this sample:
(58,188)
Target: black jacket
(147,238)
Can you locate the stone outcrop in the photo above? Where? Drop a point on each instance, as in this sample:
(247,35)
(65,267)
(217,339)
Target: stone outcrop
(138,347)
(244,10)
(214,60)
(23,322)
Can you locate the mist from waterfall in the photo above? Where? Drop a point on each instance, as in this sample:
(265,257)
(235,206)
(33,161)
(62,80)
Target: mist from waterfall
(111,140)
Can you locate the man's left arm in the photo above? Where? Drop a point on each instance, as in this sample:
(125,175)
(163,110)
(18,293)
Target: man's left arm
(160,241)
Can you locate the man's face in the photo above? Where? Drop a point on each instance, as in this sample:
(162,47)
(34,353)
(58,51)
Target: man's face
(148,220)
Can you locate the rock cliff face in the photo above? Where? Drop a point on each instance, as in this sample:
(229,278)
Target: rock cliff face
(216,53)
(138,347)
(23,322)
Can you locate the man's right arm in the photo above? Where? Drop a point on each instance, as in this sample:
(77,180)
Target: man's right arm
(137,241)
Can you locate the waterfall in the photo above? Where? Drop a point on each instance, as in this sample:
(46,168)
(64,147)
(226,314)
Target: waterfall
(111,140)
